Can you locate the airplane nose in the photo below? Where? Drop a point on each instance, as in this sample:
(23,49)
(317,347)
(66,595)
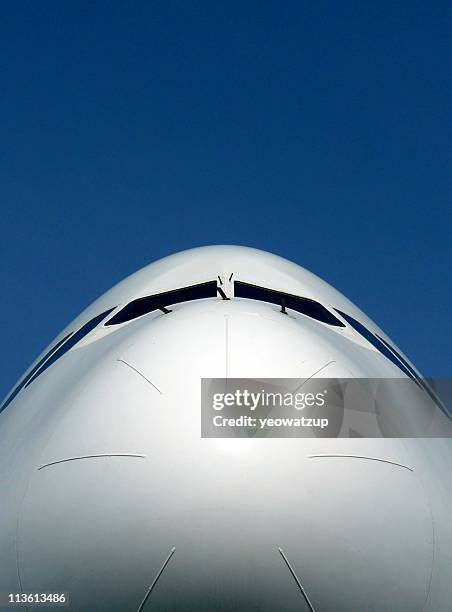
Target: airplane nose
(342,545)
(345,525)
(224,560)
(257,524)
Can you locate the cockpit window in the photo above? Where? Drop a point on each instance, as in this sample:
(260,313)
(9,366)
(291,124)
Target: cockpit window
(31,373)
(72,341)
(55,353)
(306,306)
(420,381)
(144,305)
(382,346)
(398,355)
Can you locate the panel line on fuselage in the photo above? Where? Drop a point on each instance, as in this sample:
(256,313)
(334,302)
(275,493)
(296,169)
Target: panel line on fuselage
(297,580)
(134,455)
(140,374)
(337,455)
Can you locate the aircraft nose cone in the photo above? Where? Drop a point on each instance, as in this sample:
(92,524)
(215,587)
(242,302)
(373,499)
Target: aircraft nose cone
(345,525)
(224,560)
(108,523)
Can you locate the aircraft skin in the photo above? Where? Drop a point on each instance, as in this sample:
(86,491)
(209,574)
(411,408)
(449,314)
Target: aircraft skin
(109,493)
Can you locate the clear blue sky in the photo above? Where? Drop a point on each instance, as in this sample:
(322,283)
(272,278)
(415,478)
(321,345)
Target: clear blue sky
(316,130)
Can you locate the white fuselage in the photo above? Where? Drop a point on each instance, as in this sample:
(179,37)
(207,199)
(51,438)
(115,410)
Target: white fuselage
(103,469)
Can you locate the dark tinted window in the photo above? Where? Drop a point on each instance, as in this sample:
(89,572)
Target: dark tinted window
(31,373)
(398,355)
(421,382)
(377,343)
(142,306)
(306,306)
(72,341)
